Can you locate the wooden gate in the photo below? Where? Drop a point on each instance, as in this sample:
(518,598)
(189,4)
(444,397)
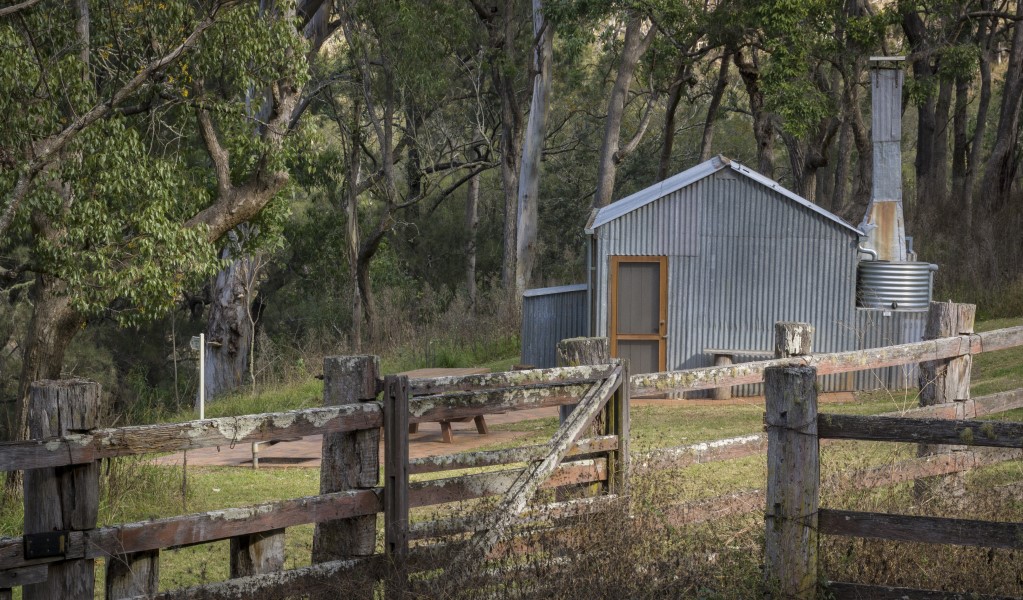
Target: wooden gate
(50,563)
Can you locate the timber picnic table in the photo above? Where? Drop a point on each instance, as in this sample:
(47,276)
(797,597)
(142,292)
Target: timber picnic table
(445,426)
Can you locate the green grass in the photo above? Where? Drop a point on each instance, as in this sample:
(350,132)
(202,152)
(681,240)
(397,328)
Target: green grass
(213,488)
(134,490)
(305,394)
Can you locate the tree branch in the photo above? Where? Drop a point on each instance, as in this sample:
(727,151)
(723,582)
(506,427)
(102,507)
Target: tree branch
(49,148)
(462,181)
(218,154)
(644,122)
(10,10)
(991,13)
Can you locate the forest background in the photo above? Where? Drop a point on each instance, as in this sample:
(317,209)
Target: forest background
(314,177)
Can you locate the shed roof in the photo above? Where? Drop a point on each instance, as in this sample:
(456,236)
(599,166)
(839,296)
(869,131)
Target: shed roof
(689,176)
(561,289)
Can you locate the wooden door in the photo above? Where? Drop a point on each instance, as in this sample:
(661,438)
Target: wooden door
(639,311)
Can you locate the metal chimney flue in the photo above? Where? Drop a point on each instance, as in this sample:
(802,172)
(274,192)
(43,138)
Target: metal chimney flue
(893,280)
(884,222)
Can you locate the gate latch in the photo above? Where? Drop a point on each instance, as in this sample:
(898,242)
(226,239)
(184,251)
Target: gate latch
(46,545)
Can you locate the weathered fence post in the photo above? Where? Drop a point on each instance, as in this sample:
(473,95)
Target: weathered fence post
(132,575)
(947,380)
(792,339)
(257,553)
(793,482)
(616,419)
(62,498)
(351,460)
(575,352)
(396,501)
(943,381)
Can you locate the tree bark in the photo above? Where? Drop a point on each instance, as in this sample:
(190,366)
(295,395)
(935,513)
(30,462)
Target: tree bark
(50,331)
(472,221)
(960,139)
(636,43)
(763,125)
(1001,166)
(53,326)
(937,184)
(979,131)
(501,30)
(861,188)
(707,141)
(532,151)
(840,187)
(230,329)
(668,135)
(352,241)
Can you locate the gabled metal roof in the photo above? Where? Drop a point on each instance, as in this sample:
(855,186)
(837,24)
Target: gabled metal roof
(689,176)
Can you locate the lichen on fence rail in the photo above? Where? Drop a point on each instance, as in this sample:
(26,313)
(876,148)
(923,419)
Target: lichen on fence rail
(829,364)
(171,437)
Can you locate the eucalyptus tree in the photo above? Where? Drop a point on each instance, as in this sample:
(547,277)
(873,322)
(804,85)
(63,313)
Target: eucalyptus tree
(93,221)
(112,210)
(506,53)
(532,148)
(966,67)
(412,101)
(250,86)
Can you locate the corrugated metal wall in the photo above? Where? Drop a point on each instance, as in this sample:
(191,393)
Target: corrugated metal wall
(550,315)
(877,328)
(741,258)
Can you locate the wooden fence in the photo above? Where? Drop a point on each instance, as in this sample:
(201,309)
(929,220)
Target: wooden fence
(55,557)
(794,430)
(351,494)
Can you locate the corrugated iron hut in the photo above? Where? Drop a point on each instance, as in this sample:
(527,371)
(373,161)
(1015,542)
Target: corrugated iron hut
(696,269)
(708,260)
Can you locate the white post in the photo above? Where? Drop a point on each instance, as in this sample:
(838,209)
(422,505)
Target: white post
(202,376)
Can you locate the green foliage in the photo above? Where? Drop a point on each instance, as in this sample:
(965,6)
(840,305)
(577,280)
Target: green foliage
(959,61)
(796,33)
(123,237)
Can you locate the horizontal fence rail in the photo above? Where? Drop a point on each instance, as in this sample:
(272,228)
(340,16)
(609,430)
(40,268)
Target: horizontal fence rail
(489,458)
(930,530)
(586,374)
(174,437)
(856,591)
(828,364)
(921,431)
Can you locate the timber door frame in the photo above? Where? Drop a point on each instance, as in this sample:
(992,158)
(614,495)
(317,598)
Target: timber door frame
(662,330)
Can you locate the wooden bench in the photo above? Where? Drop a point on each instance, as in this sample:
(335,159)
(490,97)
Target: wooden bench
(445,427)
(725,357)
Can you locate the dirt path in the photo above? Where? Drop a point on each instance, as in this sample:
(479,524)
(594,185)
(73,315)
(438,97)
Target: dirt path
(427,442)
(306,452)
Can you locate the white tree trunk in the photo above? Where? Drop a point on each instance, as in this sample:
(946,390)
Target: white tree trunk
(532,151)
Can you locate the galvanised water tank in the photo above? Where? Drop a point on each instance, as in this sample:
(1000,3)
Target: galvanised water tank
(894,285)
